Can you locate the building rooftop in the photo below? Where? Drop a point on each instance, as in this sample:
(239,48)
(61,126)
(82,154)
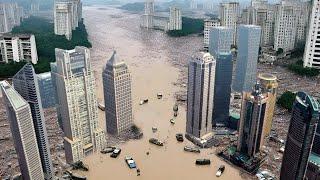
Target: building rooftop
(9,35)
(267,76)
(14,97)
(315,159)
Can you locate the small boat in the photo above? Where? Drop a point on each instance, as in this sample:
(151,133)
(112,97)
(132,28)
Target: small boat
(130,162)
(159,96)
(108,150)
(175,108)
(138,172)
(220,171)
(156,142)
(145,101)
(191,149)
(203,162)
(179,137)
(172,121)
(101,107)
(141,103)
(154,129)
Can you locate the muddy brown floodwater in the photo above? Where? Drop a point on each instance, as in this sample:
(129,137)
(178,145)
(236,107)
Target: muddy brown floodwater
(149,56)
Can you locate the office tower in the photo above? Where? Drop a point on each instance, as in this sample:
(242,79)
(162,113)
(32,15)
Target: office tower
(193,4)
(147,17)
(286,24)
(18,48)
(46,89)
(252,121)
(24,138)
(175,19)
(229,13)
(247,58)
(313,168)
(201,76)
(269,86)
(303,124)
(311,56)
(316,142)
(10,16)
(77,103)
(208,25)
(220,40)
(117,95)
(26,84)
(63,18)
(220,45)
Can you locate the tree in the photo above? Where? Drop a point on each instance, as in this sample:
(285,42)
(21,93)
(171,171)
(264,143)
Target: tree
(279,51)
(286,100)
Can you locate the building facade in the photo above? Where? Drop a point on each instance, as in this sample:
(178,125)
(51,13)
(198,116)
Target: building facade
(26,84)
(24,138)
(18,48)
(229,14)
(46,89)
(63,18)
(77,103)
(247,58)
(220,40)
(311,56)
(252,122)
(303,124)
(117,96)
(11,15)
(201,77)
(208,25)
(269,86)
(175,19)
(147,17)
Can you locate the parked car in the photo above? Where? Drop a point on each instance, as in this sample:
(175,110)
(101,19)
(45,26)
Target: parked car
(115,153)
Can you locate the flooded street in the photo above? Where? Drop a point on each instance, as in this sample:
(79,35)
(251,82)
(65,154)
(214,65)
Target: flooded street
(153,59)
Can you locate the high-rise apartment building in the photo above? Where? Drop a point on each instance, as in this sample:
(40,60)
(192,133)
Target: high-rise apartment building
(147,17)
(201,77)
(208,25)
(18,48)
(311,56)
(77,103)
(247,58)
(11,15)
(175,19)
(252,121)
(303,124)
(24,138)
(46,89)
(117,96)
(193,4)
(63,18)
(269,86)
(229,14)
(34,7)
(220,45)
(26,84)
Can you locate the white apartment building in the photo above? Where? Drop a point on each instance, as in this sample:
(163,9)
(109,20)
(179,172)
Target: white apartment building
(77,103)
(22,130)
(311,56)
(117,96)
(147,17)
(229,14)
(175,19)
(10,16)
(208,24)
(286,24)
(18,48)
(201,79)
(67,14)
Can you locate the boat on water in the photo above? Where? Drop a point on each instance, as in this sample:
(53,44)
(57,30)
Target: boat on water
(101,107)
(155,141)
(145,101)
(179,137)
(172,121)
(154,129)
(175,110)
(159,95)
(220,170)
(130,162)
(191,149)
(75,176)
(203,162)
(79,165)
(108,150)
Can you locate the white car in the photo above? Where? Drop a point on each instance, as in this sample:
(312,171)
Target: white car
(131,163)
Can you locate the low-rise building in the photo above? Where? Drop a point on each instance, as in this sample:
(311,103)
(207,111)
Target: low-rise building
(18,48)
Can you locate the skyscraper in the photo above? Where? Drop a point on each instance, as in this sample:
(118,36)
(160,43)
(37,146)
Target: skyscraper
(117,95)
(247,58)
(24,138)
(303,124)
(46,89)
(208,25)
(26,84)
(252,121)
(220,45)
(63,18)
(311,56)
(269,86)
(175,19)
(77,103)
(229,13)
(201,76)
(147,17)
